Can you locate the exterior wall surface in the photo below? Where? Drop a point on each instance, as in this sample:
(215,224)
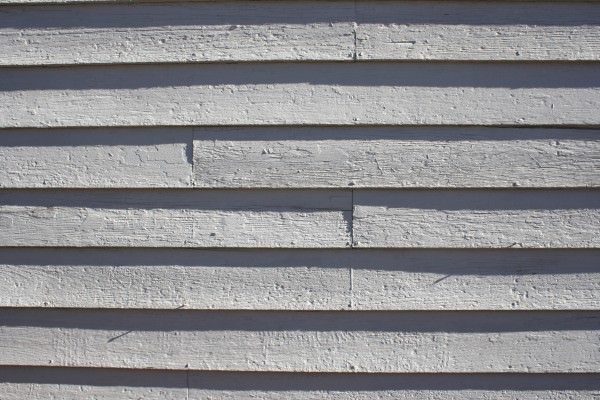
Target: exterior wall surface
(299,199)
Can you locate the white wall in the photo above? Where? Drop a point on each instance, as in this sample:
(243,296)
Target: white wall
(299,199)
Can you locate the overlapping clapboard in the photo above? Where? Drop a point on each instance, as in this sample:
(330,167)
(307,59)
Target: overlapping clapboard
(184,184)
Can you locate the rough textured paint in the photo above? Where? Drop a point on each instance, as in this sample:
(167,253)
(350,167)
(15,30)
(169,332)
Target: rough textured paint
(362,279)
(303,342)
(478,31)
(396,157)
(173,219)
(302,94)
(178,32)
(107,384)
(342,200)
(96,158)
(477,218)
(281,31)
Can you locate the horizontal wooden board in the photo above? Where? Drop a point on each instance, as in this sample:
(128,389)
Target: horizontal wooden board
(309,157)
(171,218)
(151,278)
(104,384)
(396,157)
(476,218)
(38,383)
(283,31)
(96,158)
(472,30)
(105,227)
(475,279)
(302,94)
(177,32)
(301,279)
(450,342)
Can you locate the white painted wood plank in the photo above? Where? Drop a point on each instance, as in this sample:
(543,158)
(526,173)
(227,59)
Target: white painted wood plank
(172,286)
(379,226)
(530,219)
(168,279)
(486,31)
(37,383)
(95,158)
(301,279)
(396,157)
(478,43)
(303,342)
(476,280)
(177,32)
(70,383)
(393,386)
(84,227)
(267,30)
(61,382)
(303,94)
(38,391)
(33,391)
(423,394)
(173,219)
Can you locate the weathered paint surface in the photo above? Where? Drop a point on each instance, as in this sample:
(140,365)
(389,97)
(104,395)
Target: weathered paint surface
(106,384)
(396,157)
(476,218)
(178,32)
(173,219)
(299,199)
(507,279)
(295,31)
(521,94)
(95,158)
(477,31)
(479,342)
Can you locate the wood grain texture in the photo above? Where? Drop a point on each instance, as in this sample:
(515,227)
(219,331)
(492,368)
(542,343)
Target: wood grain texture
(71,392)
(393,386)
(121,281)
(395,157)
(530,219)
(565,342)
(477,31)
(95,158)
(302,94)
(38,383)
(301,279)
(102,384)
(169,279)
(177,32)
(174,219)
(475,279)
(280,31)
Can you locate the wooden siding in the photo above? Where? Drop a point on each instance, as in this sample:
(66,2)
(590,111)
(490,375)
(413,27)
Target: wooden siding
(304,342)
(108,384)
(377,93)
(96,158)
(425,157)
(299,199)
(307,30)
(293,279)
